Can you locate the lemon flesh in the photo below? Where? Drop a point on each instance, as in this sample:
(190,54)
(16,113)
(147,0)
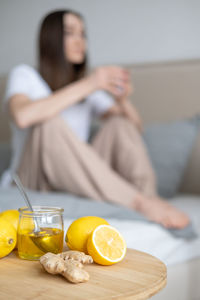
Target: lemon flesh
(106,245)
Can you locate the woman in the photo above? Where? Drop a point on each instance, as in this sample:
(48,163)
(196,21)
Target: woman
(50,135)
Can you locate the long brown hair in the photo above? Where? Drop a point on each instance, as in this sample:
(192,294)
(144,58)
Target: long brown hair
(54,67)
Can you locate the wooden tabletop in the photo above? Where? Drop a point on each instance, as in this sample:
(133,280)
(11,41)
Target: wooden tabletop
(139,276)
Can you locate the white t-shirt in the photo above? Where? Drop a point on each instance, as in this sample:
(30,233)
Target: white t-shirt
(24,79)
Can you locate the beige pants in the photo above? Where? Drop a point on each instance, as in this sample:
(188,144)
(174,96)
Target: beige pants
(115,167)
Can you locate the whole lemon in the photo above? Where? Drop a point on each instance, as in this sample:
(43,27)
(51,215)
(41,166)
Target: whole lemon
(12,216)
(8,237)
(79,231)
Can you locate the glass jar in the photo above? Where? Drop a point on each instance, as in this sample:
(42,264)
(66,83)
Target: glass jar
(40,231)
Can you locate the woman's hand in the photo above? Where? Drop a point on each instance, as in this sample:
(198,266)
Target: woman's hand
(113,79)
(128,90)
(116,80)
(127,108)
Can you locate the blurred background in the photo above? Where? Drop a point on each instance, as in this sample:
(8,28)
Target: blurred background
(119,31)
(159,41)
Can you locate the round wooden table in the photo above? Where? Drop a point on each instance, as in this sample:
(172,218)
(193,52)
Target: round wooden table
(138,276)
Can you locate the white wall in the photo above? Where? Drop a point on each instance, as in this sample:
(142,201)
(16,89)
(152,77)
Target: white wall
(120,31)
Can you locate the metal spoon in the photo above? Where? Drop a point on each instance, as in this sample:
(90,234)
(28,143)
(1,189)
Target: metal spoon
(22,190)
(44,246)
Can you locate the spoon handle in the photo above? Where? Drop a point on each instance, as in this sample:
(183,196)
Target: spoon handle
(36,225)
(21,188)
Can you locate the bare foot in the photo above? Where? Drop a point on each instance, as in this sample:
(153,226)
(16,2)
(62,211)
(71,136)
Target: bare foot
(162,212)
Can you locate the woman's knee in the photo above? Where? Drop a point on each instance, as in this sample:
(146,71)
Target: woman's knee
(119,122)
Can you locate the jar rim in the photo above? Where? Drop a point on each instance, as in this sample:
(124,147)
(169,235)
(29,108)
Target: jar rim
(40,210)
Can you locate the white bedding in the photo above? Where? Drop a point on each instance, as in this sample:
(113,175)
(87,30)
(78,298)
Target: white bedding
(144,236)
(155,240)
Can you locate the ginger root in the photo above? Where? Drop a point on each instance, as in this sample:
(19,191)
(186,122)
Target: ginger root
(77,255)
(52,263)
(74,273)
(69,264)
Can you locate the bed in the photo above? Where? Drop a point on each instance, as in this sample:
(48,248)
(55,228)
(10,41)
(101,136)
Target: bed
(164,92)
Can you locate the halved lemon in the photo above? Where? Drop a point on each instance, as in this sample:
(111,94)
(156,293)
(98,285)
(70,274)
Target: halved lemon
(106,245)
